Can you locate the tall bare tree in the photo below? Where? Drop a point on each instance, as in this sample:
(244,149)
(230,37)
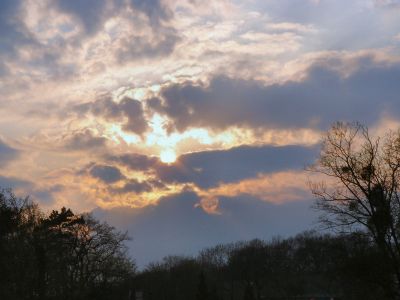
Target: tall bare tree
(362,186)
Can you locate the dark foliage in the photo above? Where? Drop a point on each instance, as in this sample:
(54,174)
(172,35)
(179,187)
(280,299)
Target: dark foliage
(59,256)
(308,265)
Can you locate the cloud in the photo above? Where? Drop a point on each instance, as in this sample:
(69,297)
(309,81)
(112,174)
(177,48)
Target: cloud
(302,11)
(277,187)
(14,183)
(107,174)
(4,71)
(25,188)
(134,161)
(138,187)
(356,25)
(83,140)
(269,173)
(154,9)
(13,32)
(133,47)
(210,168)
(133,110)
(324,96)
(91,13)
(51,42)
(45,195)
(233,71)
(177,225)
(387,3)
(128,111)
(94,13)
(7,153)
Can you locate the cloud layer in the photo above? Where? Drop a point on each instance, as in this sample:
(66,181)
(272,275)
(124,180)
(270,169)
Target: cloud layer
(7,153)
(194,118)
(317,101)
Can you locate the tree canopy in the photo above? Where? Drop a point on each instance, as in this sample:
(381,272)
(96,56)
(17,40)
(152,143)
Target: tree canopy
(58,256)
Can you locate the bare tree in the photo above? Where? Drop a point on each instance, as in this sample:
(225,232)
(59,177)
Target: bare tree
(85,254)
(361,190)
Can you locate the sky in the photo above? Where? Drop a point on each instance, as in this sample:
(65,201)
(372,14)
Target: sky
(188,123)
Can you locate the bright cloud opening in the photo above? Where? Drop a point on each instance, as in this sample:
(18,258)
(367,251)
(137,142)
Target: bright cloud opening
(168,156)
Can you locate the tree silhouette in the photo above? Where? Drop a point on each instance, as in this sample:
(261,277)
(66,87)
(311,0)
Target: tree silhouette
(248,293)
(345,266)
(202,291)
(59,256)
(362,190)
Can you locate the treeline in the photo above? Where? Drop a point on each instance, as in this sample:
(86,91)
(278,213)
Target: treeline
(59,256)
(303,267)
(63,255)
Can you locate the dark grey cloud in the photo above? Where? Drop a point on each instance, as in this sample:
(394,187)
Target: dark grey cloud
(129,111)
(133,110)
(25,188)
(154,9)
(323,97)
(138,187)
(93,14)
(209,168)
(7,153)
(13,183)
(103,106)
(137,47)
(110,172)
(46,195)
(134,161)
(13,32)
(177,226)
(3,70)
(107,174)
(84,140)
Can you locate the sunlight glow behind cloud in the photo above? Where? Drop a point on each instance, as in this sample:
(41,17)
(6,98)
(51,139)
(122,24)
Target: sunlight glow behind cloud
(163,81)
